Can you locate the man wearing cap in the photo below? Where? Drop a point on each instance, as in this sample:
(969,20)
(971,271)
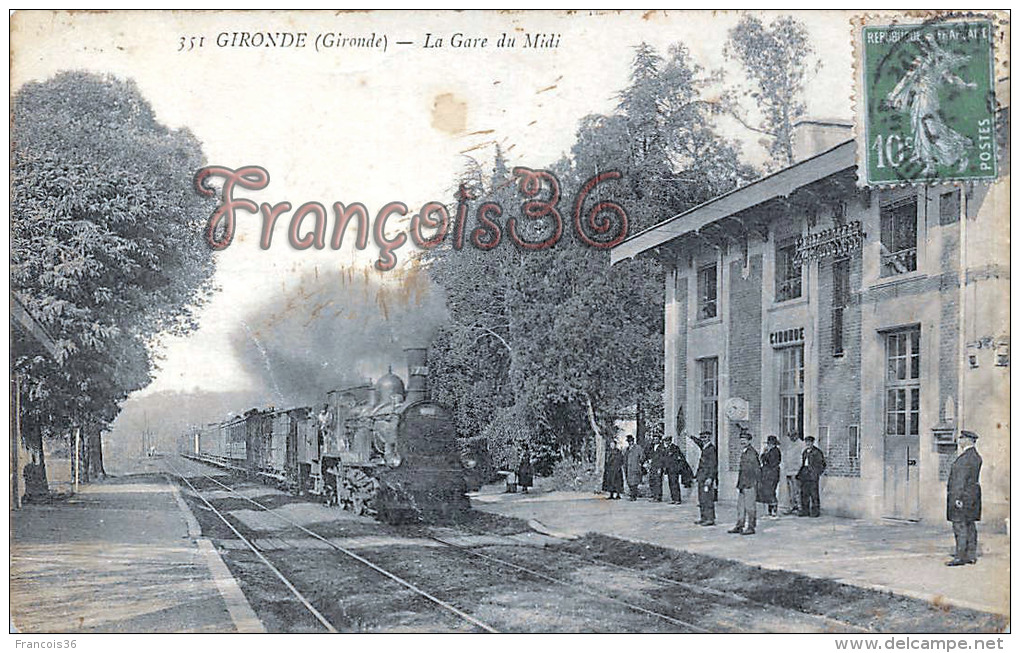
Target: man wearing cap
(707,478)
(812,466)
(963,500)
(747,485)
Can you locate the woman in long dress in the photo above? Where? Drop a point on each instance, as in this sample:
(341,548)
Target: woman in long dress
(525,475)
(771,459)
(612,475)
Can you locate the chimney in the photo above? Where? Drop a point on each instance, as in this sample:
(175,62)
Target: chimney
(811,137)
(417,374)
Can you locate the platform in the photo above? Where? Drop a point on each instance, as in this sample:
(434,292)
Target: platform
(122,555)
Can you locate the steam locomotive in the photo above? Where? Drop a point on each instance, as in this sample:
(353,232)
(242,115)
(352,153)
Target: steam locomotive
(382,449)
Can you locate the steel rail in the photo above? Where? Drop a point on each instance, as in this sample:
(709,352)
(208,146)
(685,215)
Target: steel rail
(300,597)
(443,604)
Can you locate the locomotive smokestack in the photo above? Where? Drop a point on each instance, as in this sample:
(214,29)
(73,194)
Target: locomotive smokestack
(417,374)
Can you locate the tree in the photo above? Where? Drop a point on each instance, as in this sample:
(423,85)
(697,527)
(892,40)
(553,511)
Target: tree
(776,60)
(106,246)
(471,355)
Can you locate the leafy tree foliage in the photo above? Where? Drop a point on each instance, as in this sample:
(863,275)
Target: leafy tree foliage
(777,60)
(106,245)
(548,346)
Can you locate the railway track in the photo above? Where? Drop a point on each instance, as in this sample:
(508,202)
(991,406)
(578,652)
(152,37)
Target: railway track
(494,561)
(648,606)
(350,554)
(254,549)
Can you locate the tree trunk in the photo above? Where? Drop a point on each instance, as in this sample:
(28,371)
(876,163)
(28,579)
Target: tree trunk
(79,463)
(95,455)
(641,436)
(600,442)
(34,471)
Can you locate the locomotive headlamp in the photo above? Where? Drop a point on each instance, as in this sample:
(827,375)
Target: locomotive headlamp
(390,456)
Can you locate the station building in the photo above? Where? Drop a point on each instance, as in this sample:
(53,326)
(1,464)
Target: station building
(875,319)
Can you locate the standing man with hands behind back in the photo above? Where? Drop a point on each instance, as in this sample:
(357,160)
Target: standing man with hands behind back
(812,467)
(963,500)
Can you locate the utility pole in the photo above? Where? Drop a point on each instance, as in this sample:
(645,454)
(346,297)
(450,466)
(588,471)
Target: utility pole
(77,457)
(145,433)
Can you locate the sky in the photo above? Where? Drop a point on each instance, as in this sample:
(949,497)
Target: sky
(373,126)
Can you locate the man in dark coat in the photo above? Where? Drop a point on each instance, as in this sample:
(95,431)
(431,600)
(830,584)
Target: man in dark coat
(707,478)
(677,470)
(747,486)
(656,467)
(963,500)
(812,466)
(633,460)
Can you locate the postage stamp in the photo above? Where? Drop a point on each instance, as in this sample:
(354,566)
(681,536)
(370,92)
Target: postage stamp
(928,105)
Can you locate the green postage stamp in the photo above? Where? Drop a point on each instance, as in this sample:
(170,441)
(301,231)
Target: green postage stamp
(927,102)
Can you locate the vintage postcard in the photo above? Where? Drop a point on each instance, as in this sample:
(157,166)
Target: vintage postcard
(511,322)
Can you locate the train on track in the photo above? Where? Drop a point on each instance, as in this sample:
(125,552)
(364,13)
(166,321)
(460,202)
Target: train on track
(383,449)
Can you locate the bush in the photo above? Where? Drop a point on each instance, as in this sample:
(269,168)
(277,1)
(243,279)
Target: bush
(576,475)
(507,431)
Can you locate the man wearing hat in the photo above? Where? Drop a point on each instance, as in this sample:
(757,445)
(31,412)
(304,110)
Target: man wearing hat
(707,478)
(963,500)
(812,466)
(747,485)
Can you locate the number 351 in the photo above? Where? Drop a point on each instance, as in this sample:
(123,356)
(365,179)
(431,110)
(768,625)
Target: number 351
(189,43)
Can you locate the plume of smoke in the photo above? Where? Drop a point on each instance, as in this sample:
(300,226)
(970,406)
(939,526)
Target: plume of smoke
(336,328)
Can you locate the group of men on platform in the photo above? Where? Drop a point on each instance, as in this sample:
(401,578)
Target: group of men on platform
(757,478)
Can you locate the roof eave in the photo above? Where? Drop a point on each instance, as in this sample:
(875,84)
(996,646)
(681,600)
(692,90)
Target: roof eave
(779,184)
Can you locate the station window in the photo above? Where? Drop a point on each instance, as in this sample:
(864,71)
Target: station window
(791,391)
(788,271)
(949,207)
(707,292)
(899,237)
(840,300)
(823,440)
(709,371)
(854,440)
(903,382)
